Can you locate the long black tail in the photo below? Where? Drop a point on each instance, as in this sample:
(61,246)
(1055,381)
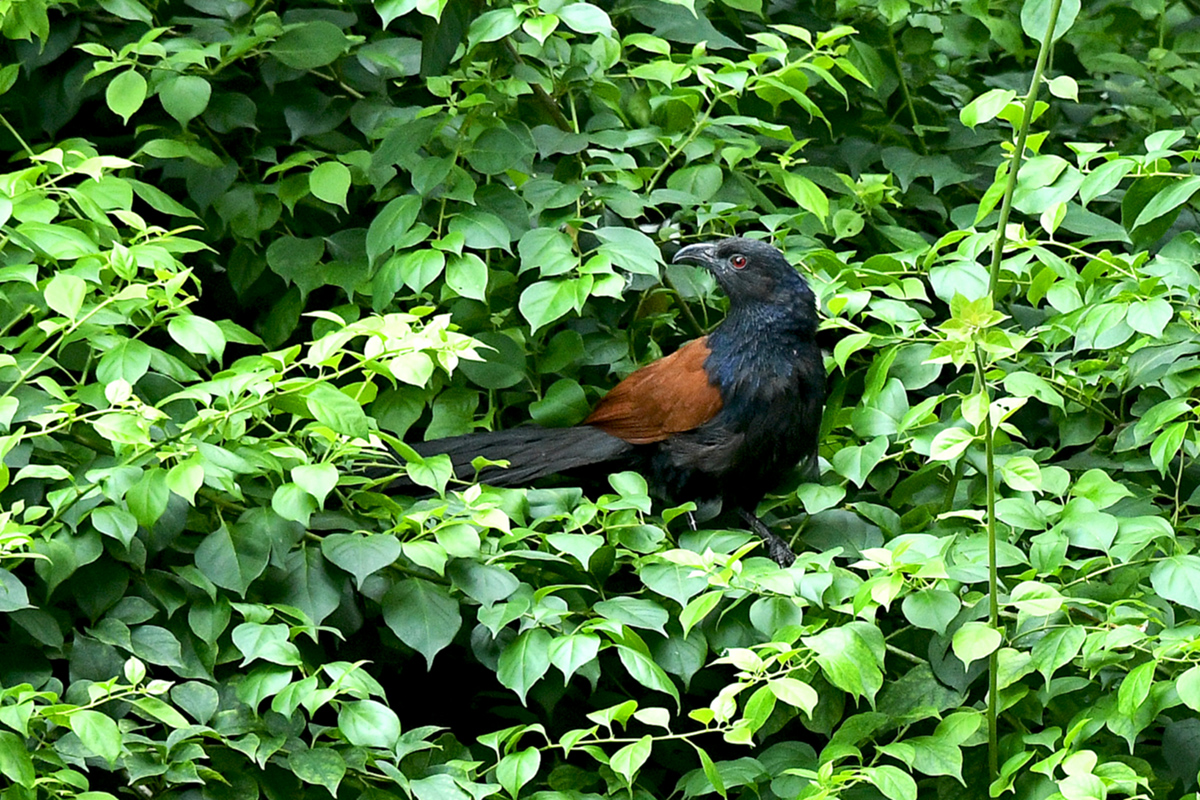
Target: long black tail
(532,452)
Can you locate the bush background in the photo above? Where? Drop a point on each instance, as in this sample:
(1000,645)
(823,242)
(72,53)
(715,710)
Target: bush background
(242,243)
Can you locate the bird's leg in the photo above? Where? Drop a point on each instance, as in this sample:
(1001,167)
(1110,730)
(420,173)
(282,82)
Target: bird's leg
(691,518)
(778,549)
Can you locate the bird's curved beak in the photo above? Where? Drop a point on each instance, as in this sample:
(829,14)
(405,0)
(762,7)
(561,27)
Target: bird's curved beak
(704,254)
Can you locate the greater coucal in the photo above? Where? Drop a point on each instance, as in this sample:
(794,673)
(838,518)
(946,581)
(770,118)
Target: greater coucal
(725,416)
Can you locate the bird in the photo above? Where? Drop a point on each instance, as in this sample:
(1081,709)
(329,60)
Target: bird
(724,417)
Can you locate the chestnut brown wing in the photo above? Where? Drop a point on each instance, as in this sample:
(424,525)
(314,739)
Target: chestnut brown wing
(666,397)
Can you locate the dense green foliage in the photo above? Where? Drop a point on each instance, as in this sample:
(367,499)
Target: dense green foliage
(244,245)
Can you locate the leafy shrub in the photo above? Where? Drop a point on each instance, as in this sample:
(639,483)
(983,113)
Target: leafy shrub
(262,244)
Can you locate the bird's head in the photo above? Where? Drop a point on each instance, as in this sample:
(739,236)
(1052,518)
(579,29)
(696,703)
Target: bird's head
(751,272)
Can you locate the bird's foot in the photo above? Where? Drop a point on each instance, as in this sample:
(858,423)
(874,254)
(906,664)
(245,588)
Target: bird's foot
(777,548)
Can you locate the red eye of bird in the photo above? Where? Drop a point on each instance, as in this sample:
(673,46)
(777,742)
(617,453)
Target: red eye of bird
(739,262)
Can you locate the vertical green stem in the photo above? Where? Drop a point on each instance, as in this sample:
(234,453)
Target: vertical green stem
(981,386)
(993,581)
(908,101)
(1022,136)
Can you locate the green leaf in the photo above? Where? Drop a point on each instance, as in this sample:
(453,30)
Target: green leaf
(98,733)
(360,555)
(950,443)
(467,276)
(586,18)
(579,546)
(646,672)
(13,595)
(629,759)
(1167,200)
(128,361)
(8,410)
(893,782)
(1038,599)
(369,723)
(1026,384)
(186,478)
(1177,579)
(8,77)
(699,608)
(422,615)
(675,581)
(481,230)
(525,661)
(316,479)
(115,522)
(710,770)
(1166,446)
(1135,688)
(125,94)
(795,693)
(563,404)
(517,769)
(496,150)
(1035,18)
(131,10)
(985,107)
(15,761)
(486,583)
(1188,686)
(322,766)
(492,26)
(1064,86)
(772,614)
(701,181)
(541,27)
(310,45)
(198,699)
(1082,786)
(856,463)
(416,270)
(1150,316)
(634,612)
(61,242)
(390,10)
(341,413)
(197,335)
(1104,178)
(545,301)
(851,657)
(1056,649)
(1096,486)
(185,97)
(391,224)
(64,294)
(155,709)
(291,502)
(630,249)
(1021,474)
(548,251)
(432,472)
(504,363)
(234,560)
(975,640)
(330,181)
(267,642)
(569,653)
(931,609)
(806,194)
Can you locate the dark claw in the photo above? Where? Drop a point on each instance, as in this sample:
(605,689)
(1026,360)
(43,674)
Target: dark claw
(777,548)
